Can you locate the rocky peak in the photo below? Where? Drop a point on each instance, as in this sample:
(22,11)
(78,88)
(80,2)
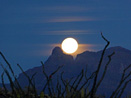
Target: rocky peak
(56,51)
(58,57)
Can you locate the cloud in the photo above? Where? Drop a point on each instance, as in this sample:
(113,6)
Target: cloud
(72,19)
(69,32)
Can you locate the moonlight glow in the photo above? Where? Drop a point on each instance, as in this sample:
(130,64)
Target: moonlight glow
(69,45)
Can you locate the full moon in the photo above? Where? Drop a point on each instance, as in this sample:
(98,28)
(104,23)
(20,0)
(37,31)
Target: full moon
(69,45)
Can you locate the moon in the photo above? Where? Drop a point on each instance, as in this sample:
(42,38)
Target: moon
(69,45)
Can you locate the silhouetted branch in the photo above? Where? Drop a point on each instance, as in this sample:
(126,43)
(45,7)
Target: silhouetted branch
(62,78)
(123,79)
(87,80)
(3,83)
(105,70)
(44,69)
(99,65)
(63,84)
(12,72)
(11,82)
(122,90)
(72,86)
(56,70)
(7,63)
(58,88)
(48,78)
(66,84)
(82,74)
(29,80)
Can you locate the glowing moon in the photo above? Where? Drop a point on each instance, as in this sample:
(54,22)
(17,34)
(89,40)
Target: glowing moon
(69,45)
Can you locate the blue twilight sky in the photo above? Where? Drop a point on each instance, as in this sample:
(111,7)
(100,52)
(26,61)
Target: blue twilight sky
(30,29)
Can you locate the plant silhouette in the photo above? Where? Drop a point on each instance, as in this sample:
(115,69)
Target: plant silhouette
(71,88)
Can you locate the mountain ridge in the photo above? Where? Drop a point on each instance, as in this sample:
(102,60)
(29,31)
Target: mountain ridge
(89,59)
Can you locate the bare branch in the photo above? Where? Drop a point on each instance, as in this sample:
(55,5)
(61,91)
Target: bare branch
(12,72)
(72,86)
(6,62)
(48,78)
(105,70)
(123,79)
(10,79)
(122,90)
(99,66)
(87,80)
(30,80)
(3,83)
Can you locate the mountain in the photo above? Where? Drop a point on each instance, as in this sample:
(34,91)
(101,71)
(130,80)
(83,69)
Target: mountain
(72,67)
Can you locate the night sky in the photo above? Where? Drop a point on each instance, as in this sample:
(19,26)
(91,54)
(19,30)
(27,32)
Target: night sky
(30,29)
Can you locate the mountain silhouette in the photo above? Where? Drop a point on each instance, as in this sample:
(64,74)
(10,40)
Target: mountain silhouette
(88,59)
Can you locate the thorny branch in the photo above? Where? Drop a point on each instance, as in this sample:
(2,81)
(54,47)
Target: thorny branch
(105,70)
(99,66)
(123,79)
(48,78)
